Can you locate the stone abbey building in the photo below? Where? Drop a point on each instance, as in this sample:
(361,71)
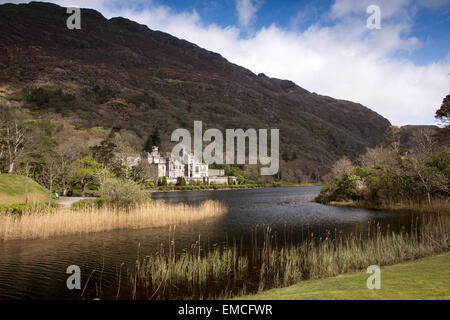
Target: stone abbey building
(174,168)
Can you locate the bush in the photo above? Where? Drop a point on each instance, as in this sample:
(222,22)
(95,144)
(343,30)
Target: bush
(124,193)
(19,209)
(103,94)
(403,180)
(182,182)
(87,204)
(49,97)
(240,180)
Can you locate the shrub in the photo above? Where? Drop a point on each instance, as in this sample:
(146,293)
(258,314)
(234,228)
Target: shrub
(102,94)
(49,97)
(182,182)
(124,193)
(19,209)
(87,204)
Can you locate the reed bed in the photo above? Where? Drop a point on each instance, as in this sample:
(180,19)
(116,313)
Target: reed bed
(34,224)
(438,205)
(232,271)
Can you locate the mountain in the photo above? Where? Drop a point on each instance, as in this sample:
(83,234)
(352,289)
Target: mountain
(118,73)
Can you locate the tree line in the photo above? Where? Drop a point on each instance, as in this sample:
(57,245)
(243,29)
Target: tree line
(67,160)
(391,174)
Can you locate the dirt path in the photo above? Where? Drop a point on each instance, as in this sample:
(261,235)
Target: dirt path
(66,202)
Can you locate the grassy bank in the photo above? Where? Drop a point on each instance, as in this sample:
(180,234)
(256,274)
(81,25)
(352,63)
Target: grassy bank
(35,224)
(234,271)
(13,190)
(436,206)
(427,278)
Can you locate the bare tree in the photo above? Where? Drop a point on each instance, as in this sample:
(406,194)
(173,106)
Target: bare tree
(50,173)
(67,153)
(341,168)
(12,136)
(392,137)
(145,171)
(425,143)
(375,156)
(431,179)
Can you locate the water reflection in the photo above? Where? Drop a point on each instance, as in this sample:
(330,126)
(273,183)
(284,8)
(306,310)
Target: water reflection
(35,269)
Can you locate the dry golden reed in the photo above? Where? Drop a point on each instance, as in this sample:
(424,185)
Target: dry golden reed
(34,225)
(438,205)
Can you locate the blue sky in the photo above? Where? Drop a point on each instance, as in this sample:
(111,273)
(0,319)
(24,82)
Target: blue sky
(401,70)
(430,25)
(433,30)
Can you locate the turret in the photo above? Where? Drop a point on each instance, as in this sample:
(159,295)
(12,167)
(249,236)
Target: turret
(155,151)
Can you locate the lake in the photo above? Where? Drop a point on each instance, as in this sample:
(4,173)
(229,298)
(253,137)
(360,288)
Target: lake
(36,269)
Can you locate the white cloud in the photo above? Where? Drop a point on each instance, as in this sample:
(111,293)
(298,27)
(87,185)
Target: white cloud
(344,59)
(246,10)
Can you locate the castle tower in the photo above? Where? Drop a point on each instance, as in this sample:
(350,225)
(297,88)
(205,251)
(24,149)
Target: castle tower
(155,151)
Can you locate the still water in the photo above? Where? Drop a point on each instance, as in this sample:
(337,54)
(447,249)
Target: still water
(36,269)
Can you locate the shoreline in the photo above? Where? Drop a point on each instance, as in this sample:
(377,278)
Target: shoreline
(249,187)
(218,188)
(436,207)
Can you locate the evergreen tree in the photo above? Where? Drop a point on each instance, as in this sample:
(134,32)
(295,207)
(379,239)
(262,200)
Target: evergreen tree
(155,138)
(149,144)
(153,141)
(443,113)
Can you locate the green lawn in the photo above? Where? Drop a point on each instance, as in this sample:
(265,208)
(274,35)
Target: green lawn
(12,190)
(427,278)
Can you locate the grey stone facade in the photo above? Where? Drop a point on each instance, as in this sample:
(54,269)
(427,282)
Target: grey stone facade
(174,168)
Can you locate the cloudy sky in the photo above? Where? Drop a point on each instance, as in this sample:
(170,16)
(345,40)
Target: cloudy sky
(402,70)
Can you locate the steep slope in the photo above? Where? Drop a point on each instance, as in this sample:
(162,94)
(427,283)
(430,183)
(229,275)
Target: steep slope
(117,73)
